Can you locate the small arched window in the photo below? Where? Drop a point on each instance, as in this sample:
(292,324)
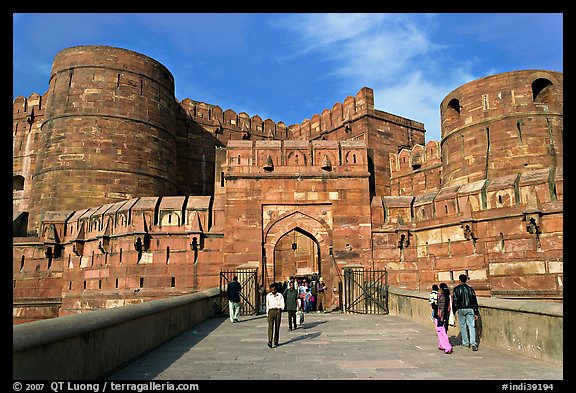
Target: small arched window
(454,104)
(17,183)
(541,90)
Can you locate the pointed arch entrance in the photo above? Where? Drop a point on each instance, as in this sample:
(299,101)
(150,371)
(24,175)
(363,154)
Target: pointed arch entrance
(296,254)
(303,229)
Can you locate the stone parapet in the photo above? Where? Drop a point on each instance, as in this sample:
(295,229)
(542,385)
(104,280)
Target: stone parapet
(56,349)
(527,327)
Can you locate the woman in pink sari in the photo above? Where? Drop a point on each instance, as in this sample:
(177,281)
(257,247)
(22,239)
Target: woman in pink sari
(441,318)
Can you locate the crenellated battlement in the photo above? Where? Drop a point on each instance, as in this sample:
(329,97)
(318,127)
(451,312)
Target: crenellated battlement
(418,157)
(27,113)
(339,116)
(218,120)
(416,170)
(22,106)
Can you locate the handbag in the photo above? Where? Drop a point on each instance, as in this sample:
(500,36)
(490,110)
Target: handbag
(451,317)
(300,317)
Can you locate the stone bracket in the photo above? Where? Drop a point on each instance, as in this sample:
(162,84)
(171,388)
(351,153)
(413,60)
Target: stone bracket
(104,244)
(78,247)
(469,229)
(533,222)
(403,238)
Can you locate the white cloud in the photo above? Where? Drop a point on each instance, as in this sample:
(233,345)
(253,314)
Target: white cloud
(419,99)
(392,53)
(317,31)
(381,56)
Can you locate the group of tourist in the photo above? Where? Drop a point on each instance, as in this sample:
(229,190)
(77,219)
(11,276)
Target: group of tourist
(311,292)
(296,296)
(302,295)
(461,305)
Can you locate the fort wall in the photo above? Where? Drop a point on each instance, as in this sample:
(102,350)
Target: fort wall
(504,233)
(121,253)
(122,194)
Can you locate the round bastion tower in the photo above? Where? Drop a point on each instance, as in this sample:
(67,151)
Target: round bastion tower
(108,133)
(501,125)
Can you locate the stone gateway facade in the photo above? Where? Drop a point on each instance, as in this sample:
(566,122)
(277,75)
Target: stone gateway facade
(123,194)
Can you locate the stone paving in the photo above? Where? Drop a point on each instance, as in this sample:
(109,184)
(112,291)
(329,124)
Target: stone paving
(331,346)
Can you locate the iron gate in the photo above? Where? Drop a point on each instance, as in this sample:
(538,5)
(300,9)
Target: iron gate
(249,299)
(365,291)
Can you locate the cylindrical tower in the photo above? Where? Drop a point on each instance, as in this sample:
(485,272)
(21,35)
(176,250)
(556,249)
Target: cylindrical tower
(108,133)
(502,124)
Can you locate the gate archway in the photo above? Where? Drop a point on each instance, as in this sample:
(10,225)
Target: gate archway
(296,254)
(316,229)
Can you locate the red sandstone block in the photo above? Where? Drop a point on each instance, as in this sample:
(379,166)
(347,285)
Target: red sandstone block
(553,223)
(449,264)
(463,247)
(526,283)
(519,245)
(427,276)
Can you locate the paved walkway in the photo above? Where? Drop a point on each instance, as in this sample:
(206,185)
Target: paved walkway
(332,346)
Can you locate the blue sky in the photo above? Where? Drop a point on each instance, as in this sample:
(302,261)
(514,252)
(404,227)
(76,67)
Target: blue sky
(289,66)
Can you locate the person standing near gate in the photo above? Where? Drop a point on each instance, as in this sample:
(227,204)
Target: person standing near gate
(291,302)
(465,304)
(274,307)
(321,293)
(233,293)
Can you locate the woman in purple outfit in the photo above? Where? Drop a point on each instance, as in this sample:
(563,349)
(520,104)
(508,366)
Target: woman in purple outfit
(442,312)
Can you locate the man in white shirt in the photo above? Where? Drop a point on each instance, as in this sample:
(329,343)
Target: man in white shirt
(274,307)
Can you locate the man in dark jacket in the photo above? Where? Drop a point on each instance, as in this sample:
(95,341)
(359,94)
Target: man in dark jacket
(291,304)
(233,293)
(465,303)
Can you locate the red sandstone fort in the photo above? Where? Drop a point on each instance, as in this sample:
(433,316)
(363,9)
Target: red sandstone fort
(123,194)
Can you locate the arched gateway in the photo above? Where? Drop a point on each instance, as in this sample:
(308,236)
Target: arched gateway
(312,234)
(296,218)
